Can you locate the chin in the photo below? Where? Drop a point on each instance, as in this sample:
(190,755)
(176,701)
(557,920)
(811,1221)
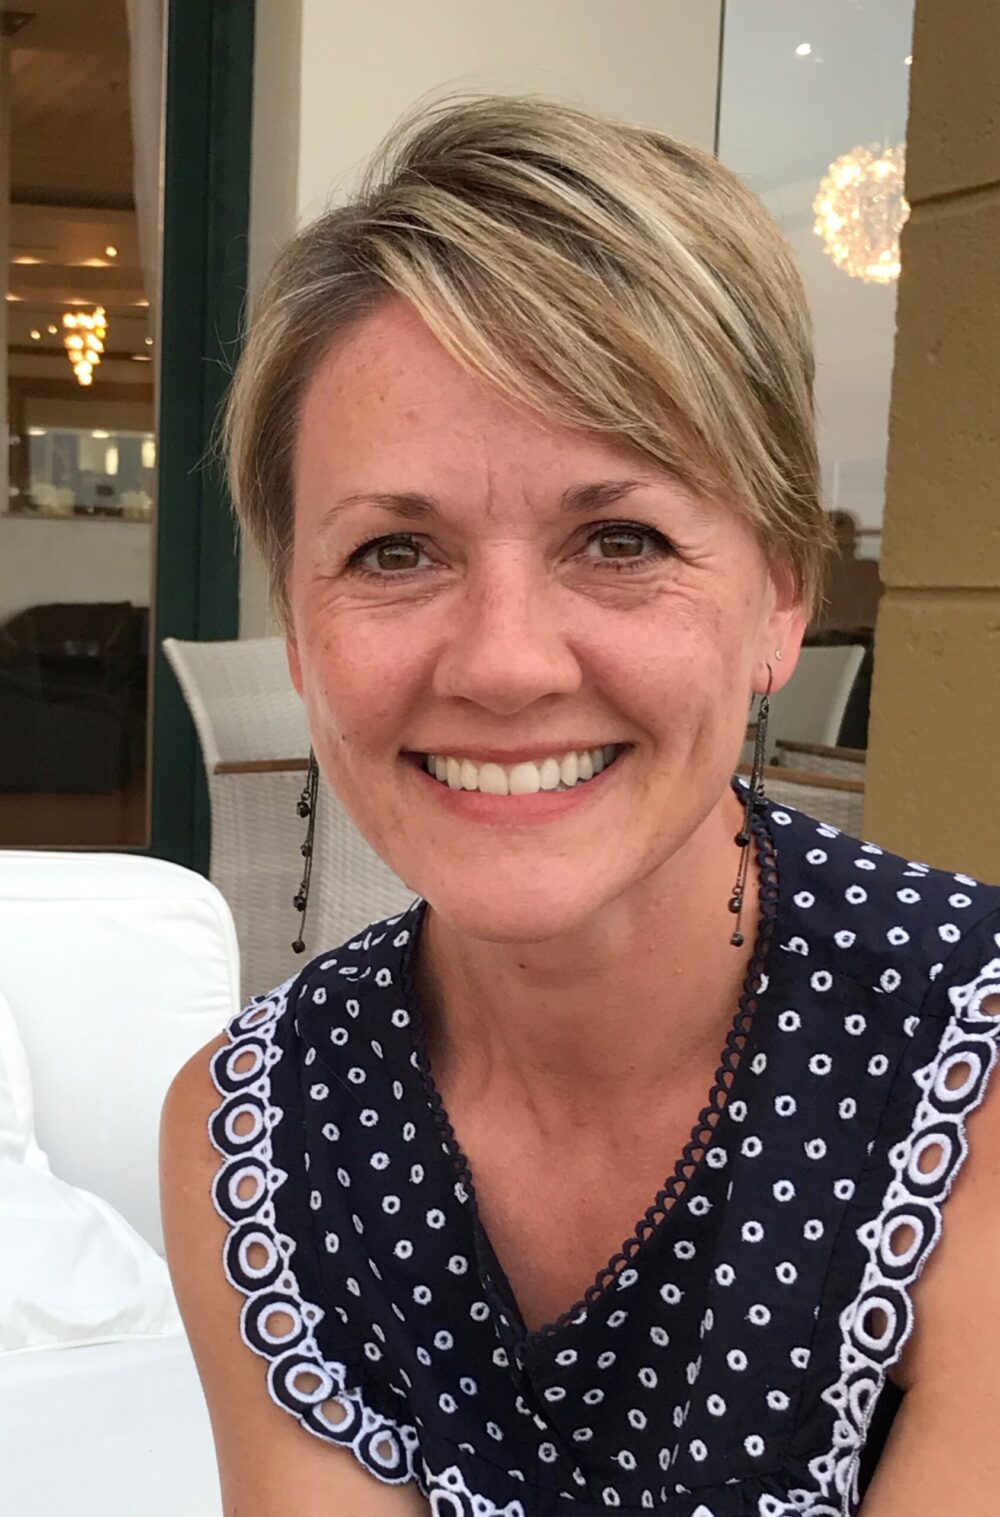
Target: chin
(511,905)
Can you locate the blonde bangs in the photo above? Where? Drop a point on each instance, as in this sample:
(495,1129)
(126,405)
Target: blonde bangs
(605,276)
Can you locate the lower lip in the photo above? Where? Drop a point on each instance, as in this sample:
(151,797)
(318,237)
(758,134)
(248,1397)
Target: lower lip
(510,810)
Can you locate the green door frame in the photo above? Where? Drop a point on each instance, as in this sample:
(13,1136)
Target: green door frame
(207,136)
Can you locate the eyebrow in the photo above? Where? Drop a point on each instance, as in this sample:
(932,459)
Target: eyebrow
(576,500)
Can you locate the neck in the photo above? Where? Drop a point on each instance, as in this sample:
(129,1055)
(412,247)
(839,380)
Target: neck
(639,996)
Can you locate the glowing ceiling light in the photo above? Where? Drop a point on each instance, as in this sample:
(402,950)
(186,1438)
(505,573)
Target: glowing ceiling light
(111,252)
(84,342)
(860,210)
(804,49)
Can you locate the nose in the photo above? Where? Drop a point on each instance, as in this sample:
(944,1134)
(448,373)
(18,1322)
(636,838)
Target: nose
(506,649)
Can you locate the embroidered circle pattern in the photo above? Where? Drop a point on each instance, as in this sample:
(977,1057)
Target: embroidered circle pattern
(712,1363)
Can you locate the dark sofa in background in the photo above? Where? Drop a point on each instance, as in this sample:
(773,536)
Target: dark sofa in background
(72,696)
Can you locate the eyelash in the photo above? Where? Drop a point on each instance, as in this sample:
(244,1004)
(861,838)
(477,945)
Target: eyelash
(662,545)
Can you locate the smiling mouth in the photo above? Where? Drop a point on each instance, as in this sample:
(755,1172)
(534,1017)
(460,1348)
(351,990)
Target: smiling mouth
(558,772)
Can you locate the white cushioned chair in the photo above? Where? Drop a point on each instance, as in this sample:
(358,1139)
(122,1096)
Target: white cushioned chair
(116,969)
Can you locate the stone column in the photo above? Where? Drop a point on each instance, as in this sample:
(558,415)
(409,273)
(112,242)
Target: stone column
(933,789)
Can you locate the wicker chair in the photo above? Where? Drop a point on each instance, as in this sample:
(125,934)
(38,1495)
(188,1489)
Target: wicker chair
(830,798)
(255,741)
(819,758)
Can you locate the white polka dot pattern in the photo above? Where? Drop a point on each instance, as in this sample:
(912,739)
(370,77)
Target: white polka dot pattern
(877,1322)
(742,1335)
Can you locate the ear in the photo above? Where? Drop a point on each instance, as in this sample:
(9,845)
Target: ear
(294,662)
(784,628)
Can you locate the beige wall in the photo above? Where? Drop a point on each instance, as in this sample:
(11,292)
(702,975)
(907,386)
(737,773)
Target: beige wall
(933,789)
(74,560)
(328,87)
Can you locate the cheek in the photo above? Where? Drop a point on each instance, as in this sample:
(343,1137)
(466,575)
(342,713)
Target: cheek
(671,667)
(359,681)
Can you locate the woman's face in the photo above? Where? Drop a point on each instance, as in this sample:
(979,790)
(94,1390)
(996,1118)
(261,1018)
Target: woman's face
(471,582)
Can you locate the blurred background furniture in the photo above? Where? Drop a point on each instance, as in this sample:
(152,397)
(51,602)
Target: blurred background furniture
(834,799)
(255,744)
(821,759)
(72,697)
(117,969)
(811,707)
(811,762)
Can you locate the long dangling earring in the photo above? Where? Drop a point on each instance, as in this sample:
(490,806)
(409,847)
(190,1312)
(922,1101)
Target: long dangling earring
(755,795)
(306,807)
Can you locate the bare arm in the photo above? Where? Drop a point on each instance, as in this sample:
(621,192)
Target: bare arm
(268,1464)
(943,1454)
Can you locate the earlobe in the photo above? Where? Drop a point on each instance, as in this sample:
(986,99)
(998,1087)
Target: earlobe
(787,631)
(786,626)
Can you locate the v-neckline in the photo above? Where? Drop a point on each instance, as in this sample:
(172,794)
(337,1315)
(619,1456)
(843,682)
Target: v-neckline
(688,1163)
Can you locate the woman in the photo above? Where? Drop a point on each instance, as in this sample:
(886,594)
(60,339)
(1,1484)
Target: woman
(526,435)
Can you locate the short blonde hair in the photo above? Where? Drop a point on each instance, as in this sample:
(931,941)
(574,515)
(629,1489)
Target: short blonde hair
(608,276)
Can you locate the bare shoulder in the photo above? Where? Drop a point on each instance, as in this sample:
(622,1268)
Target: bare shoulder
(268,1463)
(957,1296)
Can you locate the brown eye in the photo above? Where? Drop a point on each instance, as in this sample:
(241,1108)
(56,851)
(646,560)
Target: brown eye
(387,556)
(626,545)
(621,543)
(397,555)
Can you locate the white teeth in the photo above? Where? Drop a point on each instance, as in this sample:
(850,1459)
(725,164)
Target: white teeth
(493,780)
(548,774)
(524,778)
(470,776)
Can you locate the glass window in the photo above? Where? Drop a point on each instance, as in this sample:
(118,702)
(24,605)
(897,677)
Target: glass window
(812,116)
(78,483)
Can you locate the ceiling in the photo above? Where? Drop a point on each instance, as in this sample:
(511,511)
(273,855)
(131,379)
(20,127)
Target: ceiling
(71,176)
(71,140)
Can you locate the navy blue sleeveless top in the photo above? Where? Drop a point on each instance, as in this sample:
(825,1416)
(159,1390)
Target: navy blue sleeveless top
(734,1358)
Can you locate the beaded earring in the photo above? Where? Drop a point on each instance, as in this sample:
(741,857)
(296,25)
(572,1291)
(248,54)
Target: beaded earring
(306,807)
(755,795)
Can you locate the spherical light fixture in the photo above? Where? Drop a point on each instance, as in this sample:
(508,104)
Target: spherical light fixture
(860,210)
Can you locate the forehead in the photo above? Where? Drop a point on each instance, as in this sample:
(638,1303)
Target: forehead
(389,397)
